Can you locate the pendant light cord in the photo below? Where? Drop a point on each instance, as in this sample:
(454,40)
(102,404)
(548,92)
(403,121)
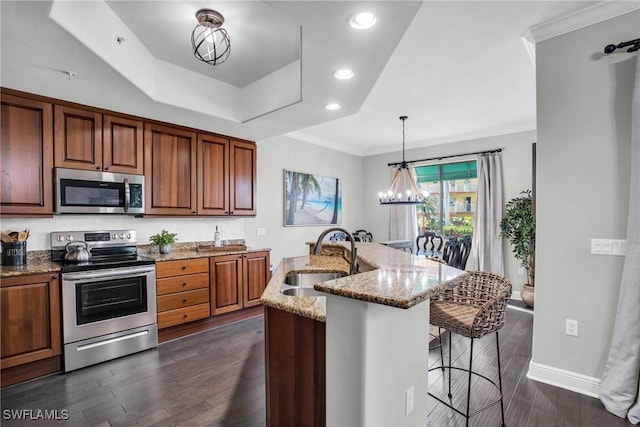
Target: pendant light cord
(403,118)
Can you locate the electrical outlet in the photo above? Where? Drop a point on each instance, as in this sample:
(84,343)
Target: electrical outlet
(408,399)
(571,327)
(260,232)
(521,271)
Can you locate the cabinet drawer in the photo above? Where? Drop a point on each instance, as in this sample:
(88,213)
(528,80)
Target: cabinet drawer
(179,267)
(182,315)
(182,299)
(187,282)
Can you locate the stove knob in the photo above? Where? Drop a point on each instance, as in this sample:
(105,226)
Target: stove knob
(129,236)
(69,237)
(60,238)
(121,235)
(114,236)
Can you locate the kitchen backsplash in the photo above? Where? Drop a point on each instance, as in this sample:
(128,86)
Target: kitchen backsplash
(188,229)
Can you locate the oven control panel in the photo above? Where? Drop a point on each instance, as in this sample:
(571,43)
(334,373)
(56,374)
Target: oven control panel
(102,238)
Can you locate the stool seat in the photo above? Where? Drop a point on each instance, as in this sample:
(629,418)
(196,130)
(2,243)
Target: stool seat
(456,317)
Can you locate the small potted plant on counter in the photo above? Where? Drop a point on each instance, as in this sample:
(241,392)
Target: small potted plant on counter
(164,240)
(518,225)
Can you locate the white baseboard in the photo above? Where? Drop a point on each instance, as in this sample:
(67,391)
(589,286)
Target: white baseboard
(568,380)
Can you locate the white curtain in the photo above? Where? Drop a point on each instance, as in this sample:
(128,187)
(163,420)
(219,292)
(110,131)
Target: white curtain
(486,246)
(620,389)
(403,221)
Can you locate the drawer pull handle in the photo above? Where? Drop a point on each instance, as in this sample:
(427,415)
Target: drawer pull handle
(184,267)
(184,300)
(184,284)
(184,316)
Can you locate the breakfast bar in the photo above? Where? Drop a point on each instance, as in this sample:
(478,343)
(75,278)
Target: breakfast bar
(369,333)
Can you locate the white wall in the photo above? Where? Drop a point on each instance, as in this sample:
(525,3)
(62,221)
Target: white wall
(188,229)
(280,153)
(584,134)
(516,168)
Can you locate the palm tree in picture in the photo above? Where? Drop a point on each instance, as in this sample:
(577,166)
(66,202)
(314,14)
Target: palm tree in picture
(309,183)
(292,195)
(336,206)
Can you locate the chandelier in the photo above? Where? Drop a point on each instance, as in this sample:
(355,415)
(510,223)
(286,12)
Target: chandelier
(209,40)
(403,189)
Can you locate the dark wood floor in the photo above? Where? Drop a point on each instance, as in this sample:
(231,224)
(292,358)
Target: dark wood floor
(216,378)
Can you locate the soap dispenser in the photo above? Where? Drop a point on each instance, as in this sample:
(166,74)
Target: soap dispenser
(216,238)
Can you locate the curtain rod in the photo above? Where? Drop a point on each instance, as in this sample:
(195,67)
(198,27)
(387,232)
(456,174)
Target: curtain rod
(611,47)
(496,150)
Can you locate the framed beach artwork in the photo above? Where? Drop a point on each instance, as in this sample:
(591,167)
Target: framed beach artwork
(311,199)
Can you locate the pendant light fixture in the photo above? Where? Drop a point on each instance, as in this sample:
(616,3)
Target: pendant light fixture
(209,40)
(403,189)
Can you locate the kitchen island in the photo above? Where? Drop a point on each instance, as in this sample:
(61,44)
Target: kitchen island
(349,357)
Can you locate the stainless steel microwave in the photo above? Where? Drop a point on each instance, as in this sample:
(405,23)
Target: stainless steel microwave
(80,191)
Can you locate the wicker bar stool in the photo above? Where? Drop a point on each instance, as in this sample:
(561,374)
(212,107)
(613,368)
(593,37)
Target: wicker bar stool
(473,308)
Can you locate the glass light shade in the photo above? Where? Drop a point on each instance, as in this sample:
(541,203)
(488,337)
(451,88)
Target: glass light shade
(210,42)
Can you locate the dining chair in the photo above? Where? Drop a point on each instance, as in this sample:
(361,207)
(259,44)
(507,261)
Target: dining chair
(362,236)
(338,236)
(472,308)
(429,244)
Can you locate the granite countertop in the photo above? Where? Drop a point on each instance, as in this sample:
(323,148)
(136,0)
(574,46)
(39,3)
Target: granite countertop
(34,265)
(40,262)
(388,276)
(189,250)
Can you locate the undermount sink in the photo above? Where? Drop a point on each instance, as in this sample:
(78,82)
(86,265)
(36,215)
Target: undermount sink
(297,291)
(301,284)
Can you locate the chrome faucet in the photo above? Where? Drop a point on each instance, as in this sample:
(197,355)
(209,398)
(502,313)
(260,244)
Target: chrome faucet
(354,250)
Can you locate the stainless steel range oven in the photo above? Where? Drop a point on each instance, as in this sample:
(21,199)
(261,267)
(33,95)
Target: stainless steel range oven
(109,301)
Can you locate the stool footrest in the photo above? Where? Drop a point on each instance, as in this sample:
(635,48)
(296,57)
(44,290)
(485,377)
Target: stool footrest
(450,405)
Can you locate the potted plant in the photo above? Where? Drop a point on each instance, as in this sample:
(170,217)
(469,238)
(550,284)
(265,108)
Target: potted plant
(164,240)
(518,225)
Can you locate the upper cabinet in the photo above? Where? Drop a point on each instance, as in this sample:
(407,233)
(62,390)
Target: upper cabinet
(242,182)
(26,156)
(170,170)
(89,140)
(226,176)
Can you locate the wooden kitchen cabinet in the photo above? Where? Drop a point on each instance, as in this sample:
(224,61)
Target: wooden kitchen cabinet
(182,288)
(226,176)
(170,170)
(295,371)
(256,269)
(30,314)
(89,140)
(237,281)
(26,150)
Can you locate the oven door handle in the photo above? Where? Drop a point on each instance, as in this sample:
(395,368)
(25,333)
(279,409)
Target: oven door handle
(109,273)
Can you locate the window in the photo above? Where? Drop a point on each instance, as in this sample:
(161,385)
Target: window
(451,205)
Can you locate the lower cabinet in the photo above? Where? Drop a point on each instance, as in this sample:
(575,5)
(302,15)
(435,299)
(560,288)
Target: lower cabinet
(237,281)
(182,289)
(295,370)
(29,326)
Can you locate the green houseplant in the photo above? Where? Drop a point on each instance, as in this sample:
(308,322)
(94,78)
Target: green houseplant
(164,240)
(518,225)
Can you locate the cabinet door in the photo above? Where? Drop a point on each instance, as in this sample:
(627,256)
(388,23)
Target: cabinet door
(123,145)
(30,314)
(226,283)
(213,175)
(26,150)
(169,170)
(242,165)
(256,276)
(77,138)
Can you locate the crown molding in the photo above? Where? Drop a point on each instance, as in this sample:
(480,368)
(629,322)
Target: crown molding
(579,19)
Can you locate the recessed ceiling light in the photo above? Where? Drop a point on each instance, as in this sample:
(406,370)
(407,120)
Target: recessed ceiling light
(343,74)
(332,107)
(363,20)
